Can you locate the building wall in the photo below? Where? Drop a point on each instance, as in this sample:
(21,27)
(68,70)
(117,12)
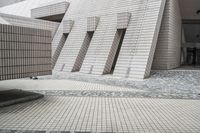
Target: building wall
(24,8)
(139,41)
(101,44)
(167,55)
(8,2)
(2,21)
(24,52)
(31,23)
(50,10)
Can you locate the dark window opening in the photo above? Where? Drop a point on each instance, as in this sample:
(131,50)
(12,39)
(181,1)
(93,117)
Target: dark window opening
(83,51)
(59,49)
(53,18)
(193,56)
(63,66)
(198,12)
(121,33)
(190,50)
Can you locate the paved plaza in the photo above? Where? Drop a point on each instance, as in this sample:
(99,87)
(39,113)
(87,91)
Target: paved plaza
(176,81)
(101,114)
(75,106)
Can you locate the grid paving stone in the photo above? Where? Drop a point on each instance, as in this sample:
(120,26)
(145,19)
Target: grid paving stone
(85,89)
(102,114)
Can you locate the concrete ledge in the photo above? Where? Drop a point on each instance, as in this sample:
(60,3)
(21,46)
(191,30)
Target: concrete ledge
(15,96)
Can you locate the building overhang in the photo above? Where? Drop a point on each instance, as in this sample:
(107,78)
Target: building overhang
(190,9)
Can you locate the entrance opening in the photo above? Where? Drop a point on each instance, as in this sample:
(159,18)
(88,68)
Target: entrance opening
(83,51)
(191,44)
(59,49)
(191,56)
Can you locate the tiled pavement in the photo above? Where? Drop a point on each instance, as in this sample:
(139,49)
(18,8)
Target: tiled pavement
(77,88)
(60,85)
(170,81)
(81,107)
(103,114)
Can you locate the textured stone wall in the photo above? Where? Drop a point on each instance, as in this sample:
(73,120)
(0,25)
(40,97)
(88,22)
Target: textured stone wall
(24,52)
(167,55)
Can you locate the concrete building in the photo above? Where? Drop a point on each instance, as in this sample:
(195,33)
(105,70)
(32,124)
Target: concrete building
(8,2)
(24,52)
(123,38)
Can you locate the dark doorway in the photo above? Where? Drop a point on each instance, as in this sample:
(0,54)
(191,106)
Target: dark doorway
(190,43)
(193,56)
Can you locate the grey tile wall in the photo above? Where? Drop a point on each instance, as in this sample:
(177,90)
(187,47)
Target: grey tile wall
(3,21)
(58,50)
(100,46)
(50,10)
(137,51)
(84,48)
(115,45)
(92,23)
(123,20)
(67,26)
(136,55)
(24,52)
(142,18)
(167,55)
(72,45)
(31,23)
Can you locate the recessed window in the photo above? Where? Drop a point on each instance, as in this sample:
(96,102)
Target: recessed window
(198,12)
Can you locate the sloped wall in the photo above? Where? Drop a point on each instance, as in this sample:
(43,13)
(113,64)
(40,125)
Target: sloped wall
(139,43)
(167,55)
(50,10)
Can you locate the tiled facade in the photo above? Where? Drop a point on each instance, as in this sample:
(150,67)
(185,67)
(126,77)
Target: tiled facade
(125,38)
(24,52)
(8,2)
(142,20)
(167,55)
(50,10)
(31,23)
